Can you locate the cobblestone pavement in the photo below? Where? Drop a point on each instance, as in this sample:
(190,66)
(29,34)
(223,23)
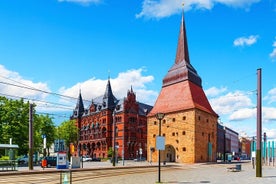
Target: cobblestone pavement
(201,173)
(217,173)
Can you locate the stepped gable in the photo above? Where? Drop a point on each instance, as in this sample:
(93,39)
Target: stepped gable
(181,89)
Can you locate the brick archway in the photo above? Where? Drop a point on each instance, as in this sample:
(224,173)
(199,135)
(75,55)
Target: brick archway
(169,153)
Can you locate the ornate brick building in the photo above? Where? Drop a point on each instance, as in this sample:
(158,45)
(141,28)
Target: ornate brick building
(190,124)
(96,127)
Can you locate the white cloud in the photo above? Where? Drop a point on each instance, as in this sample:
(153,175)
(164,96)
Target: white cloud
(165,8)
(273,53)
(246,41)
(270,133)
(271,97)
(269,114)
(214,91)
(231,102)
(93,88)
(84,2)
(238,3)
(10,82)
(243,114)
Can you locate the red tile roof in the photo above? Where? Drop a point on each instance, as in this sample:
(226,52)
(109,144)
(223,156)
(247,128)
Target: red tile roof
(181,96)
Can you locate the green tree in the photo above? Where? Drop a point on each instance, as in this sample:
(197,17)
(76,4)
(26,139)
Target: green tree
(14,123)
(14,120)
(43,125)
(68,131)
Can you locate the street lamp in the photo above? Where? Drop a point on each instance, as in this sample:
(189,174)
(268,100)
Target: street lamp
(159,116)
(114,139)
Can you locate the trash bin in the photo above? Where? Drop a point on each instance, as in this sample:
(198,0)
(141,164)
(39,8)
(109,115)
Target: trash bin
(44,163)
(238,167)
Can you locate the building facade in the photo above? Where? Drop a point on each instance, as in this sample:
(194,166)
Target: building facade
(221,142)
(232,141)
(110,123)
(190,123)
(245,147)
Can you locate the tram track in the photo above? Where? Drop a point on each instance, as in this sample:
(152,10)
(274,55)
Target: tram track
(78,176)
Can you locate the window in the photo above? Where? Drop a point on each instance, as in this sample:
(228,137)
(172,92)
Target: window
(183,133)
(199,118)
(184,118)
(184,149)
(155,122)
(116,131)
(173,134)
(173,119)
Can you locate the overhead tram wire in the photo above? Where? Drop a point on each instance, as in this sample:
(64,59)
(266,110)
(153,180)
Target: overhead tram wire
(54,114)
(232,83)
(42,91)
(37,112)
(58,105)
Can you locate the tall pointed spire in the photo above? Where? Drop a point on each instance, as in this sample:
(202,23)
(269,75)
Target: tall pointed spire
(182,69)
(79,107)
(182,53)
(109,100)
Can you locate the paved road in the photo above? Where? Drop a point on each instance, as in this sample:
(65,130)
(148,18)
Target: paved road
(171,174)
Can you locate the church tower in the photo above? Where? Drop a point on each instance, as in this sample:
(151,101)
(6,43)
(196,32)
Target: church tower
(190,123)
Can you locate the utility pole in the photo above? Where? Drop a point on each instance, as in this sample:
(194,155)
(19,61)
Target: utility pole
(259,125)
(31,137)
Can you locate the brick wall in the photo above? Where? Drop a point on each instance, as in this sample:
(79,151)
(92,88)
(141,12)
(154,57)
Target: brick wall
(186,136)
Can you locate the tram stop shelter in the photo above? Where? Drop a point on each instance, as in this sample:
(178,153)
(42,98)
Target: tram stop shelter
(10,164)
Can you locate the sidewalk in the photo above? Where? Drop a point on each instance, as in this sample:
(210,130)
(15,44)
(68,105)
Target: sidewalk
(175,173)
(216,173)
(219,174)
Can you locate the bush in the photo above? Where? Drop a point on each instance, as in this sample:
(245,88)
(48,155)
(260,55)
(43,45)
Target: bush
(4,158)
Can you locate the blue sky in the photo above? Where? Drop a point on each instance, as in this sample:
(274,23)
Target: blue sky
(62,46)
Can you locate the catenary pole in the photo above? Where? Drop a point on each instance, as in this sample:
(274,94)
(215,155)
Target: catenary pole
(31,137)
(259,124)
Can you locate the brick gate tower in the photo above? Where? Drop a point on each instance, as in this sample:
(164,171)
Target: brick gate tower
(190,123)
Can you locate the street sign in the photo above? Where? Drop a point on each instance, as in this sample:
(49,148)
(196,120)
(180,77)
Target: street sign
(160,143)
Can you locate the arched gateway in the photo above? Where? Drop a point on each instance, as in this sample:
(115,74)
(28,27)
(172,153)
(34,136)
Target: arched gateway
(169,153)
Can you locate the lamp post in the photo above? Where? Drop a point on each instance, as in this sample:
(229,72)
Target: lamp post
(159,116)
(114,140)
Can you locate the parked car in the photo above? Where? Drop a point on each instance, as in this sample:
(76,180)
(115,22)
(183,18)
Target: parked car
(25,159)
(51,161)
(96,159)
(86,158)
(140,159)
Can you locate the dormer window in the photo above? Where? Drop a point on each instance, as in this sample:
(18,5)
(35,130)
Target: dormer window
(118,107)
